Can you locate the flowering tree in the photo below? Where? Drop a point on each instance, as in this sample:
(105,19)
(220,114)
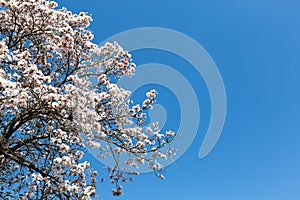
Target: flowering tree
(57,97)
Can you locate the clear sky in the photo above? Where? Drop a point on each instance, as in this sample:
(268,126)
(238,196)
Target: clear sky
(256,46)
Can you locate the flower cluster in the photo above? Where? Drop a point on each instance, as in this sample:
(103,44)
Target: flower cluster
(57,96)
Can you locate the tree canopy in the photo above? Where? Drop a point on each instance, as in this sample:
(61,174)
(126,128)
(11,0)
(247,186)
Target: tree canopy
(58,95)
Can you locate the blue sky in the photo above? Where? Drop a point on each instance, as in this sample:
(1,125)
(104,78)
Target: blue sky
(256,47)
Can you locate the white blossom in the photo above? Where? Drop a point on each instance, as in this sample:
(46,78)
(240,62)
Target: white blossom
(57,96)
